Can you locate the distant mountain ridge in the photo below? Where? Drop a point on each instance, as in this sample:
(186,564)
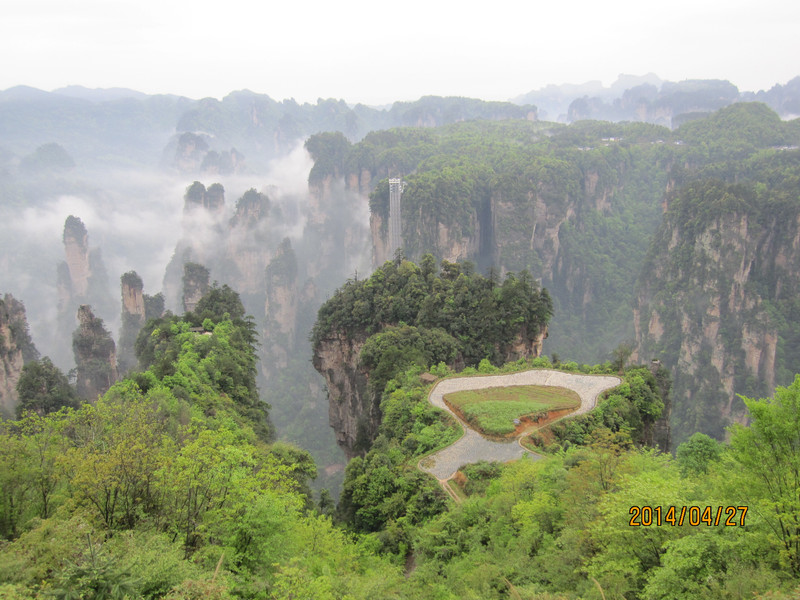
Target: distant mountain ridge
(650,99)
(106,127)
(117,126)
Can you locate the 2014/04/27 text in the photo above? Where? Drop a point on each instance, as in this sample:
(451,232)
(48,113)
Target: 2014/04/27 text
(645,516)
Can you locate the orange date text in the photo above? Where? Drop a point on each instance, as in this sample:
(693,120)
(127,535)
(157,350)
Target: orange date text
(659,516)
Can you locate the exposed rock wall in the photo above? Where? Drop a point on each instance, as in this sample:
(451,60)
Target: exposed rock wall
(280,309)
(353,413)
(247,243)
(16,349)
(551,223)
(81,279)
(715,305)
(195,284)
(133,316)
(338,232)
(133,296)
(379,232)
(354,410)
(76,249)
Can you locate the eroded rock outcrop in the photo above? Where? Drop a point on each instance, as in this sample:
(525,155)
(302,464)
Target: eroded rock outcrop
(137,307)
(247,243)
(353,413)
(76,249)
(195,284)
(16,349)
(354,408)
(362,338)
(716,303)
(81,279)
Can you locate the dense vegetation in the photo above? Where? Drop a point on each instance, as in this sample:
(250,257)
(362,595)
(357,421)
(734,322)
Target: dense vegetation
(562,527)
(575,206)
(455,313)
(602,213)
(383,490)
(43,389)
(170,486)
(165,489)
(221,338)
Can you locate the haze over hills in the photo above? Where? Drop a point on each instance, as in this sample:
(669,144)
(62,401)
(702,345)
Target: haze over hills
(122,162)
(123,125)
(651,99)
(226,253)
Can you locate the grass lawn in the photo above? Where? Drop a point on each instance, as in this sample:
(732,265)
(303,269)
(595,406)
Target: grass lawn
(493,410)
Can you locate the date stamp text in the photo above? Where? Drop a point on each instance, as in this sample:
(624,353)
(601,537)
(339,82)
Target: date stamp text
(658,516)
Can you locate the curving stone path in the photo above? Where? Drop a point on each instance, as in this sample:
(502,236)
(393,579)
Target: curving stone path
(473,447)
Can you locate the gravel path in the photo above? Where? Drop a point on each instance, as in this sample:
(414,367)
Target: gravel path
(473,447)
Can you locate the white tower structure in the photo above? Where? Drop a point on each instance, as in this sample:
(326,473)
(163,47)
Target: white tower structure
(395,225)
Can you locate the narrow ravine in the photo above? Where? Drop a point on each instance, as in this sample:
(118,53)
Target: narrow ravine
(472,447)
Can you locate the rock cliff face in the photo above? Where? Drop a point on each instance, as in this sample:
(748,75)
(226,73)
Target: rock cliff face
(546,227)
(203,226)
(193,154)
(352,412)
(283,254)
(133,318)
(717,304)
(95,355)
(211,199)
(16,349)
(81,279)
(338,229)
(195,284)
(135,304)
(76,249)
(283,300)
(133,296)
(248,248)
(282,294)
(235,248)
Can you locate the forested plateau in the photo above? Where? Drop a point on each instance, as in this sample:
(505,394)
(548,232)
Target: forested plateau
(676,245)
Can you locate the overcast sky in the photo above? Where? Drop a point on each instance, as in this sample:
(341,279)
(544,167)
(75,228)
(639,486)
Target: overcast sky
(376,52)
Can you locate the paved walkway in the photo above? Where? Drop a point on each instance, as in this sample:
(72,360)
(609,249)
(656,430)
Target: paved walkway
(473,447)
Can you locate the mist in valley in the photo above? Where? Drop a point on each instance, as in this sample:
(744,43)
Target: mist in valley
(125,165)
(137,219)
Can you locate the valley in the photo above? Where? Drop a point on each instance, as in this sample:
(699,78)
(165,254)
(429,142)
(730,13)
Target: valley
(225,345)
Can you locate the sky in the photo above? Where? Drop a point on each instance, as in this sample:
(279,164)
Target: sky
(378,52)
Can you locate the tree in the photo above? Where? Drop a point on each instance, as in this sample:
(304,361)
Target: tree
(769,453)
(219,301)
(697,453)
(620,355)
(43,388)
(118,446)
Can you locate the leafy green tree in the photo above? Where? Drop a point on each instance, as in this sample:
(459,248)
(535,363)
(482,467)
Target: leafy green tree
(98,577)
(117,449)
(43,389)
(768,451)
(697,453)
